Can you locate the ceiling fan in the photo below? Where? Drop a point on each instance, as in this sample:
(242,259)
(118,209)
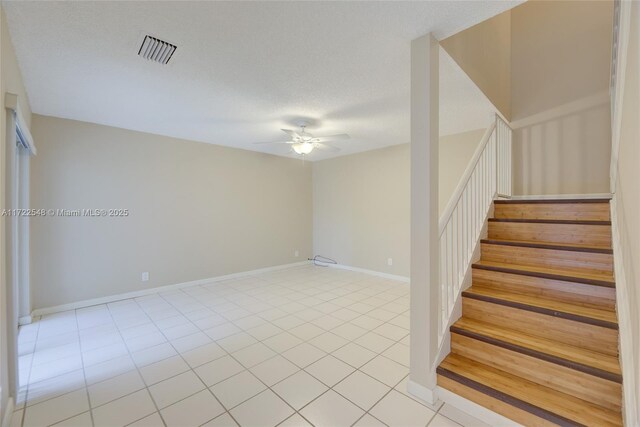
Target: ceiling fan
(303,142)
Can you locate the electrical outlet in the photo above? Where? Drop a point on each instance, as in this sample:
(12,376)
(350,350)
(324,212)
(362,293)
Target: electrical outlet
(389,261)
(296,253)
(145,276)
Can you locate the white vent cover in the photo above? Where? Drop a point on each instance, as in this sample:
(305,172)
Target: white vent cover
(156,50)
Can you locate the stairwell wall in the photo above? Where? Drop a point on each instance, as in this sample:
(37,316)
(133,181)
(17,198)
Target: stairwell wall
(545,66)
(560,53)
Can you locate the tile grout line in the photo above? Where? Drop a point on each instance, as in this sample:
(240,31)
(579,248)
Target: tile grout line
(248,369)
(196,374)
(137,369)
(230,321)
(331,388)
(28,385)
(181,312)
(86,389)
(300,369)
(84,375)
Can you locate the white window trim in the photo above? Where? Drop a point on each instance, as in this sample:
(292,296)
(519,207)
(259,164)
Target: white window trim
(11,103)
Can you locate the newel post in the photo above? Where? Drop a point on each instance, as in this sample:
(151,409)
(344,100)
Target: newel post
(424,216)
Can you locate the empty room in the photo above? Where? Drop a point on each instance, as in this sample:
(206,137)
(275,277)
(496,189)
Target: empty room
(320,213)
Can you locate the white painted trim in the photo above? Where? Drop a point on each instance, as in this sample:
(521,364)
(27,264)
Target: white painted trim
(569,108)
(11,241)
(8,412)
(563,196)
(403,279)
(480,412)
(166,288)
(23,240)
(422,392)
(25,320)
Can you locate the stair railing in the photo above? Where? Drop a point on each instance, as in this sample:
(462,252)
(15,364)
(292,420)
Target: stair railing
(488,176)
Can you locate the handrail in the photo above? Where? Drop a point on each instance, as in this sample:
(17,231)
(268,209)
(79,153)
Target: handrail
(453,201)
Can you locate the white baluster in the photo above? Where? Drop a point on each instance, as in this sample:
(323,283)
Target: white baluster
(488,175)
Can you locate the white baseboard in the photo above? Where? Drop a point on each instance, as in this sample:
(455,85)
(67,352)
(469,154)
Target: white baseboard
(473,409)
(143,292)
(403,279)
(422,392)
(8,412)
(25,320)
(563,196)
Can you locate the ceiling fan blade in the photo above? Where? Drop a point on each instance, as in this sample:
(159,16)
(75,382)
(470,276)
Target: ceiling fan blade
(273,142)
(325,147)
(290,132)
(338,137)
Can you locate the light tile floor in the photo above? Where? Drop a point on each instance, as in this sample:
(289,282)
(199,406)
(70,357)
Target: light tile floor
(297,347)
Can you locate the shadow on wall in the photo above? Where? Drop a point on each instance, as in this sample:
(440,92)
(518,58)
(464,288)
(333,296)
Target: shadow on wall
(563,153)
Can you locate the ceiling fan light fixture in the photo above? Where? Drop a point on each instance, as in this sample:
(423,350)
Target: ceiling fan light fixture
(304,143)
(303,147)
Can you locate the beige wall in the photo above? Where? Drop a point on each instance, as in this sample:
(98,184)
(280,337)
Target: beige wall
(361,202)
(196,211)
(627,222)
(560,61)
(484,53)
(361,209)
(10,81)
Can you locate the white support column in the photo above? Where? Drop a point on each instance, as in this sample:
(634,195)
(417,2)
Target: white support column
(424,216)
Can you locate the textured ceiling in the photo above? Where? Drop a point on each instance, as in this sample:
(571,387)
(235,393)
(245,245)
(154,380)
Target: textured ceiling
(243,70)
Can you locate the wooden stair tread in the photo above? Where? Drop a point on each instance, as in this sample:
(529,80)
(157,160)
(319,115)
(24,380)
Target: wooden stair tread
(597,279)
(608,366)
(551,221)
(556,246)
(541,401)
(595,316)
(551,201)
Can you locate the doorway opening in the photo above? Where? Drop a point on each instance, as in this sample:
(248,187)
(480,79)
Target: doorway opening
(19,149)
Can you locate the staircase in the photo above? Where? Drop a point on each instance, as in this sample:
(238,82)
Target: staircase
(538,337)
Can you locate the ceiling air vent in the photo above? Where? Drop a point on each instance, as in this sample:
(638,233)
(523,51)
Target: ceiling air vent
(156,50)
